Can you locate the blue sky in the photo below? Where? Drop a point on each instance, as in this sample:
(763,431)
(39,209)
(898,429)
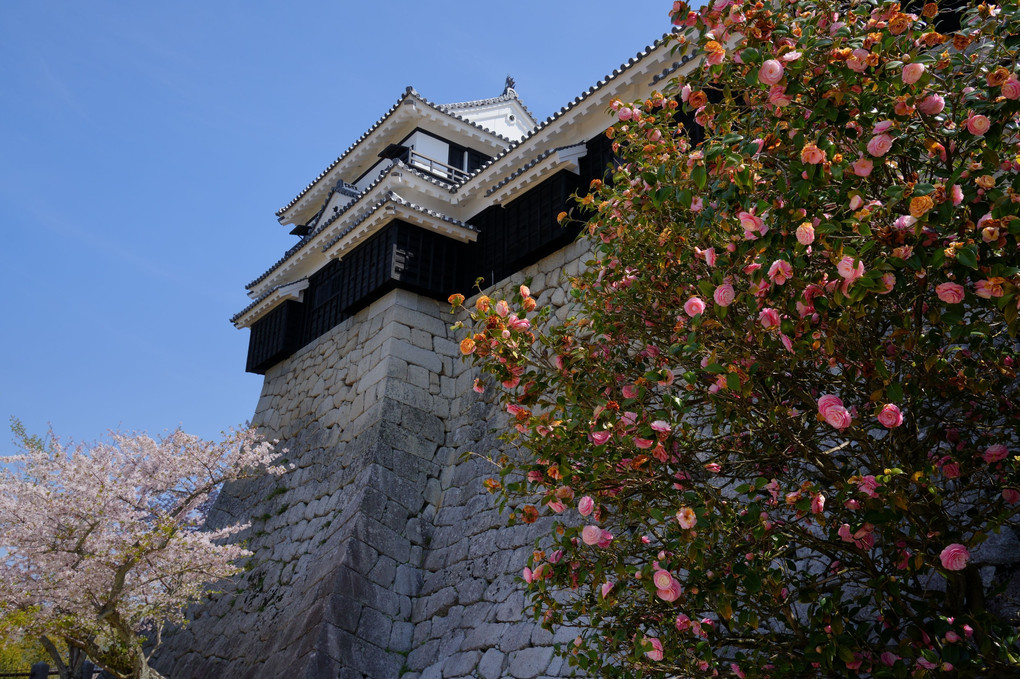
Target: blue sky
(146,147)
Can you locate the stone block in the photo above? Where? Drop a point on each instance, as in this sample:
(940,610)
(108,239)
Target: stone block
(528,663)
(414,355)
(374,627)
(461,664)
(491,664)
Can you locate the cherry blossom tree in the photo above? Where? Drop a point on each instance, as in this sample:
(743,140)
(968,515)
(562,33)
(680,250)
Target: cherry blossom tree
(101,545)
(783,419)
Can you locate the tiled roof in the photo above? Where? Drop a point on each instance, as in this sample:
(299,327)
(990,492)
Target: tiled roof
(538,159)
(585,95)
(509,95)
(391,197)
(260,299)
(347,208)
(409,92)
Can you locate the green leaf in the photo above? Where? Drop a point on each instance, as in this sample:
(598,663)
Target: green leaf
(923,189)
(700,176)
(967,257)
(733,382)
(894,392)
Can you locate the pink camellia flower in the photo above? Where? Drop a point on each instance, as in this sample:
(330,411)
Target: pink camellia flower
(643,444)
(591,535)
(656,651)
(607,587)
(778,96)
(662,579)
(987,289)
(601,436)
(1011,88)
(995,453)
(888,283)
(868,485)
(812,155)
(769,318)
(882,126)
(671,593)
(862,166)
(838,417)
(890,416)
(1011,495)
(978,124)
(857,61)
(624,114)
(527,575)
(585,505)
(661,426)
(931,105)
(780,271)
(713,467)
(707,254)
(771,72)
(880,145)
(848,270)
(724,295)
(686,518)
(818,504)
(751,222)
(951,470)
(912,73)
(606,539)
(806,233)
(827,401)
(694,306)
(956,194)
(683,623)
(954,557)
(697,204)
(950,293)
(502,308)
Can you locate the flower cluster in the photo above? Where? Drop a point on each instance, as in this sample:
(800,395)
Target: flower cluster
(102,544)
(786,408)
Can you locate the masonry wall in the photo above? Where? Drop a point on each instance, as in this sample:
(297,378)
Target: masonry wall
(381,554)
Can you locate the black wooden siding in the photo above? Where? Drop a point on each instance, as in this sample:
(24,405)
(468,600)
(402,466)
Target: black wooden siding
(406,256)
(400,255)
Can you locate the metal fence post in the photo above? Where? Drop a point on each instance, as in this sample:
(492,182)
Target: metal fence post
(40,670)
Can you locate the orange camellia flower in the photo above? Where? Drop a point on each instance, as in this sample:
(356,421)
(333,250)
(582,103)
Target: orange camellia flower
(930,10)
(919,205)
(899,23)
(998,76)
(483,303)
(529,514)
(560,217)
(456,299)
(467,346)
(698,99)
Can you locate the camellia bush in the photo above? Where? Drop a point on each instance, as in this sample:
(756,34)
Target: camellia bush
(783,420)
(101,545)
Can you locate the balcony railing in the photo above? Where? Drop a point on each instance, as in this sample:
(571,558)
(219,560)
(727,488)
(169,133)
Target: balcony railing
(436,168)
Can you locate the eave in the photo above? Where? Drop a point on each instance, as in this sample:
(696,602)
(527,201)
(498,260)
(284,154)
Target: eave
(269,301)
(391,207)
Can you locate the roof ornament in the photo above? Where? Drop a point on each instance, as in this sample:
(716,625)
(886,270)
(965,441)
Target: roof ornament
(508,88)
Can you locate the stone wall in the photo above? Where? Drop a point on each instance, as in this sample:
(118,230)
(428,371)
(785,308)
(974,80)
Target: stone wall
(381,554)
